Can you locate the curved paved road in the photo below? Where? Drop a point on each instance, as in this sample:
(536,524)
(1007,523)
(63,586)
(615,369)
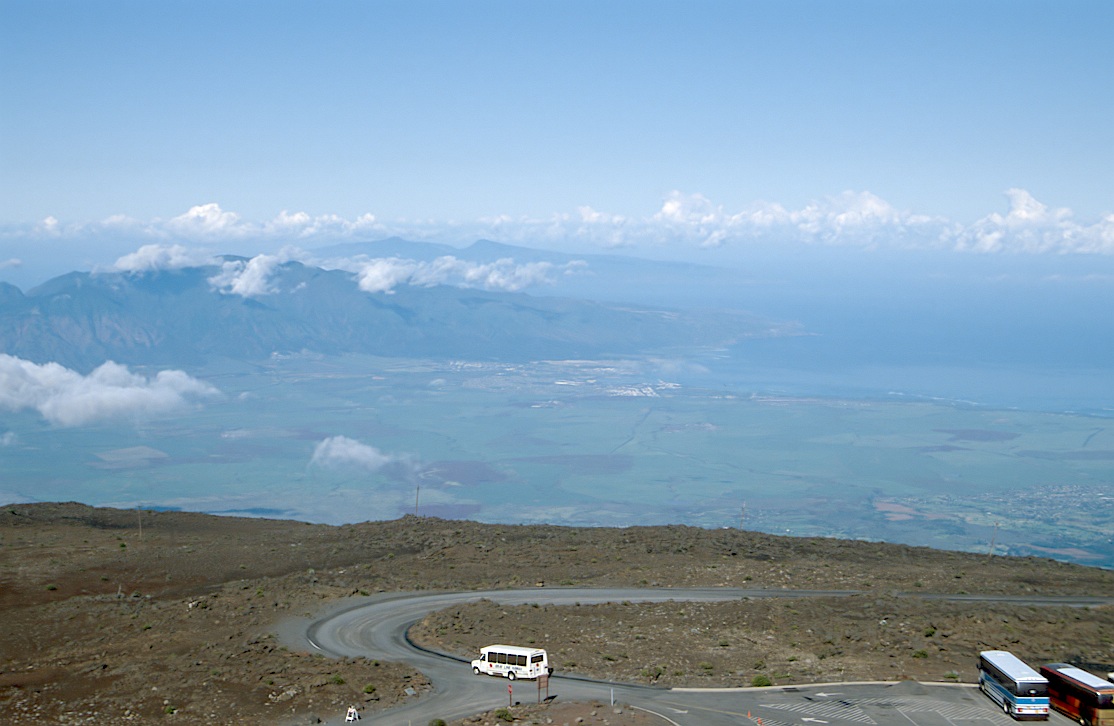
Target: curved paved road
(375,627)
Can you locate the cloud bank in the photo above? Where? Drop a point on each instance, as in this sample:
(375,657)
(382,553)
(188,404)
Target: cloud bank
(384,274)
(255,277)
(150,258)
(1032,227)
(66,398)
(686,220)
(858,219)
(250,278)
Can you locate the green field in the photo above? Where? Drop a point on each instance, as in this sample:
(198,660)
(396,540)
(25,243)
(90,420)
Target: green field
(592,443)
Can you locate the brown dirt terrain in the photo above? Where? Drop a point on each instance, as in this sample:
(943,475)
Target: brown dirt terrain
(117,616)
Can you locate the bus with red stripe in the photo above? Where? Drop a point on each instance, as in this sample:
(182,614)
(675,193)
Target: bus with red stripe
(1080,695)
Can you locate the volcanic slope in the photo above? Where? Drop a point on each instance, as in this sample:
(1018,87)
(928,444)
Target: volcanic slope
(129,616)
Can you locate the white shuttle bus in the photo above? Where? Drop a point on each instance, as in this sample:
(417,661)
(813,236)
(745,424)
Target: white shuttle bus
(511,661)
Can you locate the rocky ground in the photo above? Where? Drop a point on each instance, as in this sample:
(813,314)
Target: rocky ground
(159,617)
(564,714)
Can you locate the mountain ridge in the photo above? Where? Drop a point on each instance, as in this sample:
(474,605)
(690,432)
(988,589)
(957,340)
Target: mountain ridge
(184,315)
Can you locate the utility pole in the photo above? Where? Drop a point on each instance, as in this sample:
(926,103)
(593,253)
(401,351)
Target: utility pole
(417,491)
(743,516)
(993,537)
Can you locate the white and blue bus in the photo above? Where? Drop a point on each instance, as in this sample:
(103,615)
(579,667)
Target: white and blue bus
(1013,685)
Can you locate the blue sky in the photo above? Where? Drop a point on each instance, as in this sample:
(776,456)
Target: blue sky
(981,126)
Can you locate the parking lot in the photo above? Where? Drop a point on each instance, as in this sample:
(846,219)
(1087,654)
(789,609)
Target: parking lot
(909,703)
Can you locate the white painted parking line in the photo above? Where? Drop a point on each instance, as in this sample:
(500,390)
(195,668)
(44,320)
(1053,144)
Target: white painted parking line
(842,710)
(952,712)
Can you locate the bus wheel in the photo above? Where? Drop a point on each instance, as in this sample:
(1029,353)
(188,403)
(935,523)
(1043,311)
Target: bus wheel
(475,671)
(510,675)
(1006,708)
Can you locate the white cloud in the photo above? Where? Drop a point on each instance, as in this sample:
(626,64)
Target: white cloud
(210,223)
(384,274)
(853,218)
(860,219)
(121,224)
(695,221)
(237,277)
(301,225)
(207,220)
(294,221)
(690,209)
(247,279)
(848,212)
(503,274)
(1032,227)
(66,398)
(591,216)
(11,262)
(49,227)
(8,438)
(339,452)
(162,257)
